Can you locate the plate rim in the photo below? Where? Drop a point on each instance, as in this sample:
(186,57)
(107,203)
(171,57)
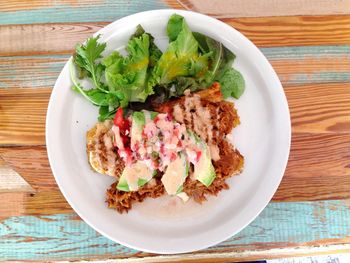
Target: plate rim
(266,198)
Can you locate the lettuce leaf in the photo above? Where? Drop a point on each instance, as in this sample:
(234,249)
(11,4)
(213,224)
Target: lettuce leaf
(129,74)
(181,58)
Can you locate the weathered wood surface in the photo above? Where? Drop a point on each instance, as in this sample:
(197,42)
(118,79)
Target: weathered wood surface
(33,39)
(257,8)
(311,55)
(316,108)
(37,11)
(280,225)
(311,64)
(313,173)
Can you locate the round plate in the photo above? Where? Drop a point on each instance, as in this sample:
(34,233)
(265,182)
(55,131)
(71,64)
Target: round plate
(166,225)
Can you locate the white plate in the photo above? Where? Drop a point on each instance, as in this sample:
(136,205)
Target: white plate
(166,225)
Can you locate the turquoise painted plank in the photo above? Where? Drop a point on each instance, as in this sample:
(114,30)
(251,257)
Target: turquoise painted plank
(42,70)
(30,71)
(95,11)
(307,52)
(62,236)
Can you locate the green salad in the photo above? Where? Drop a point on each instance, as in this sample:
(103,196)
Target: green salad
(191,61)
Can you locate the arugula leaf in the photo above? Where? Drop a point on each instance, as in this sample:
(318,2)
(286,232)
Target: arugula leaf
(85,58)
(105,113)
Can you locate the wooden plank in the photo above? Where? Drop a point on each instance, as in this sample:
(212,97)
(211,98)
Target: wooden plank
(316,252)
(321,108)
(313,172)
(311,64)
(294,30)
(19,71)
(23,116)
(257,8)
(264,32)
(318,168)
(33,165)
(11,181)
(38,203)
(24,12)
(44,38)
(281,225)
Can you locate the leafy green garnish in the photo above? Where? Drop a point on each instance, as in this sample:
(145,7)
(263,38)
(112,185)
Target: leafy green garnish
(191,61)
(86,57)
(232,83)
(181,58)
(221,70)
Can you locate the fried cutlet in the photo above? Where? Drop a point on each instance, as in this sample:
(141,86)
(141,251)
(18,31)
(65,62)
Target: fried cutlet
(188,110)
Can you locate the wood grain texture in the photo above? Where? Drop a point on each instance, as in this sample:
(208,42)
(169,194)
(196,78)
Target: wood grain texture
(38,203)
(264,32)
(32,164)
(44,38)
(64,237)
(22,114)
(318,169)
(47,11)
(311,64)
(321,108)
(257,8)
(11,181)
(311,55)
(37,11)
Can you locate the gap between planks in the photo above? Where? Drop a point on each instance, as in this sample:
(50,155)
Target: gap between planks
(61,38)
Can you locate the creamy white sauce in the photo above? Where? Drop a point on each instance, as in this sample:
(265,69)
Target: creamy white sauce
(178,113)
(147,115)
(135,172)
(111,157)
(95,158)
(173,178)
(214,152)
(201,123)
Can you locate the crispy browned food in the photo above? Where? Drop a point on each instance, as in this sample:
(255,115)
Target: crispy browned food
(223,118)
(231,163)
(212,94)
(122,201)
(102,156)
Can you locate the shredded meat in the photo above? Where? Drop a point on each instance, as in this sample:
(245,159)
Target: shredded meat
(122,201)
(224,118)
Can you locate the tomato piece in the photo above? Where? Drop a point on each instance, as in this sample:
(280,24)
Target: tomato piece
(125,140)
(128,155)
(199,154)
(118,119)
(173,156)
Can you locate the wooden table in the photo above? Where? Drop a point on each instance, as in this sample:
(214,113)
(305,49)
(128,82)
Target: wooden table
(307,42)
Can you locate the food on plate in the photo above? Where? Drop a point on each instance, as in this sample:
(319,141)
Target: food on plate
(163,117)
